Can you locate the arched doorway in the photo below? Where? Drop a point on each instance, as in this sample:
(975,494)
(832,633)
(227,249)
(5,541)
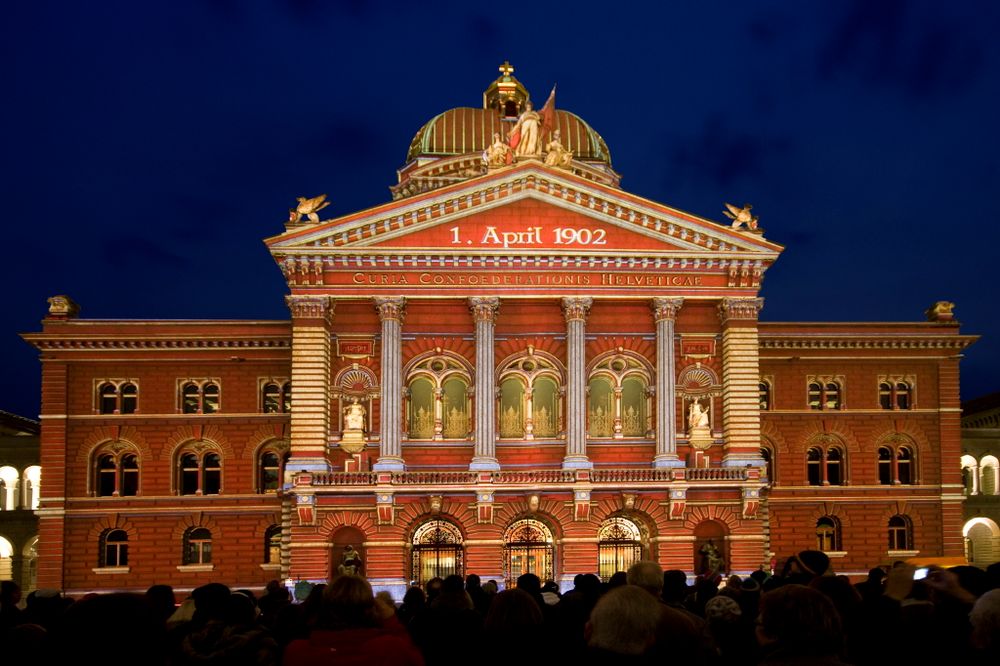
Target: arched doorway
(982,541)
(711,548)
(527,548)
(437,551)
(619,546)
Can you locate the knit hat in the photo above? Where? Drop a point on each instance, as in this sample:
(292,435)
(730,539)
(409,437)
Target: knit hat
(722,608)
(813,562)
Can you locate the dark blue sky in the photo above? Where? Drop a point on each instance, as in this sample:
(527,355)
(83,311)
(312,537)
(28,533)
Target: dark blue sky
(149,146)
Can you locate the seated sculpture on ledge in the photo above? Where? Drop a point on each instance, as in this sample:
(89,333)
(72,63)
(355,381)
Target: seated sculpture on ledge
(354,440)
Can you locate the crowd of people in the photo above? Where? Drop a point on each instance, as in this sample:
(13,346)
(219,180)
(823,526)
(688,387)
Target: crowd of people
(803,614)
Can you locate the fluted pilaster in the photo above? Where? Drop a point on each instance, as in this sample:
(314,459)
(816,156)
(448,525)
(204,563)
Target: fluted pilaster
(665,314)
(575,310)
(484,311)
(391,312)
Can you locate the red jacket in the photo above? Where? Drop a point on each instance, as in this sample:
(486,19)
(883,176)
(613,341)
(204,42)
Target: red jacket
(385,646)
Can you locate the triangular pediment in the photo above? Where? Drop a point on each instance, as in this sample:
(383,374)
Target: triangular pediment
(524,210)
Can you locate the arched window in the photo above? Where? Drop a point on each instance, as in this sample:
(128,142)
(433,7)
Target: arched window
(900,533)
(197,546)
(9,487)
(527,549)
(988,468)
(438,400)
(896,461)
(32,485)
(117,397)
(530,404)
(200,397)
(276,397)
(814,460)
(272,545)
(116,471)
(437,551)
(271,467)
(895,394)
(199,471)
(970,474)
(619,546)
(825,393)
(825,465)
(114,548)
(764,395)
(618,396)
(768,457)
(828,534)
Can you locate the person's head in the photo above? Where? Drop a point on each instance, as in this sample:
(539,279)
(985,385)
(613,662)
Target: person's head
(624,621)
(10,592)
(414,598)
(472,581)
(210,601)
(618,579)
(512,612)
(528,106)
(675,586)
(799,618)
(530,583)
(434,587)
(490,587)
(646,574)
(985,621)
(349,602)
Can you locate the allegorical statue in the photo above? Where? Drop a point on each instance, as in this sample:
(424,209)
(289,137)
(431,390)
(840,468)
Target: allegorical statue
(555,154)
(699,432)
(350,562)
(711,559)
(741,216)
(529,125)
(308,208)
(353,439)
(497,154)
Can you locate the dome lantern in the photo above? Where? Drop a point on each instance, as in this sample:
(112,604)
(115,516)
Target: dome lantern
(506,95)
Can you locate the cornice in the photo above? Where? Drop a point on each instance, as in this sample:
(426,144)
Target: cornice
(49,342)
(883,342)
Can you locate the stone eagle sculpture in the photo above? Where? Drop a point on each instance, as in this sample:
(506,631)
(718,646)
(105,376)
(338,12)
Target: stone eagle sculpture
(307,208)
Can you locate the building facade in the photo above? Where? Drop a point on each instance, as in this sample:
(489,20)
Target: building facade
(981,476)
(20,476)
(514,365)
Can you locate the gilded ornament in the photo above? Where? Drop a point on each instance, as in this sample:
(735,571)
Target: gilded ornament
(307,208)
(741,217)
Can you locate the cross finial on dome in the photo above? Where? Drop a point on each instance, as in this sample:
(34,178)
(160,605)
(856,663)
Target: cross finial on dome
(506,68)
(506,94)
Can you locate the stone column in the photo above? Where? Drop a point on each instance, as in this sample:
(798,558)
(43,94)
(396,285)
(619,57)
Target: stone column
(575,310)
(311,359)
(740,382)
(665,314)
(484,312)
(391,312)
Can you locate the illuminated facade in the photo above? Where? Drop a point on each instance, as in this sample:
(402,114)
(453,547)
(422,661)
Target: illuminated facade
(512,366)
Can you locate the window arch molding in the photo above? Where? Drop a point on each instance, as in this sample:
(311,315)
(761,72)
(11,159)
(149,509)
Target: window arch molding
(438,395)
(531,392)
(198,468)
(528,547)
(897,460)
(275,395)
(826,461)
(115,469)
(826,392)
(199,395)
(270,458)
(116,396)
(619,400)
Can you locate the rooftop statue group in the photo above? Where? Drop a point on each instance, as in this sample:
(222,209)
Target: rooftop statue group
(526,140)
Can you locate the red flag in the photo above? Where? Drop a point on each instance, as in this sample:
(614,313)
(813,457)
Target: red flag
(548,114)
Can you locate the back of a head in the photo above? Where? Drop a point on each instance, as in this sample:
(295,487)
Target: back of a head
(472,581)
(800,618)
(530,583)
(511,612)
(985,620)
(349,602)
(675,586)
(210,601)
(624,621)
(646,574)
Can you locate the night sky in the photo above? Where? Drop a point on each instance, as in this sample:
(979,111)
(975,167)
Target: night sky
(148,147)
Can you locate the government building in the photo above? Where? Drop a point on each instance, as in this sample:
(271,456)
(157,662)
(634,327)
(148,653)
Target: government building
(511,366)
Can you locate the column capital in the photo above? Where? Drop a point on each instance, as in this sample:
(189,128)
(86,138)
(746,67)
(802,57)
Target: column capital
(310,307)
(740,308)
(666,308)
(390,308)
(576,308)
(484,308)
